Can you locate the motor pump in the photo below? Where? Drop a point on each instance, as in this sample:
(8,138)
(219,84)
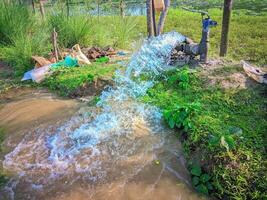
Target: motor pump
(189,48)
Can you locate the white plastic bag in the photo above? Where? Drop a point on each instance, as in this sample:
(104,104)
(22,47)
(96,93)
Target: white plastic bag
(78,54)
(38,74)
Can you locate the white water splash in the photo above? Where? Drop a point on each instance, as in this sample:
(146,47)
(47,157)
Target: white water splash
(97,147)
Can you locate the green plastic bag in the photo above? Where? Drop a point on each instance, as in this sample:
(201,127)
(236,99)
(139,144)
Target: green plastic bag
(104,59)
(67,62)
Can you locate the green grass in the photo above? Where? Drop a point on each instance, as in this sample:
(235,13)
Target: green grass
(90,30)
(18,54)
(15,21)
(66,81)
(227,132)
(21,35)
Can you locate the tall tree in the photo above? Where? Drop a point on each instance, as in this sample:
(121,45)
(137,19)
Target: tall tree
(225,26)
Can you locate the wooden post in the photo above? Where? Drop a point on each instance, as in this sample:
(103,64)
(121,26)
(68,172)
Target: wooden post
(54,43)
(163,16)
(154,19)
(225,26)
(42,9)
(122,5)
(33,6)
(68,8)
(149,17)
(98,9)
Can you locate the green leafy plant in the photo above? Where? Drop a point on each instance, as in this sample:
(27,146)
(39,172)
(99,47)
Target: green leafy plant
(181,77)
(200,180)
(180,115)
(226,140)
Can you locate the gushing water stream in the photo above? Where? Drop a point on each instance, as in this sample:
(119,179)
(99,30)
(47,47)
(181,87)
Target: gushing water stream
(120,150)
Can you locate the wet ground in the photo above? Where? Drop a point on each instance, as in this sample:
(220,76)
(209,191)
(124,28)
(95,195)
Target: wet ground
(137,169)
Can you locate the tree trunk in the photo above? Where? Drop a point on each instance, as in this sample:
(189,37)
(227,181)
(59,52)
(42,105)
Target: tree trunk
(225,26)
(42,9)
(149,17)
(163,16)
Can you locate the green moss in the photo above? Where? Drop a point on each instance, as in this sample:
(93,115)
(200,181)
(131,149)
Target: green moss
(67,80)
(229,130)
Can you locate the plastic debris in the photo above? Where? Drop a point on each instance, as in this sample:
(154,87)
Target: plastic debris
(67,62)
(254,72)
(40,61)
(37,74)
(121,53)
(78,54)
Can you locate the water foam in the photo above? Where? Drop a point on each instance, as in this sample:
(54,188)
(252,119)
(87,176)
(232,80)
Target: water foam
(96,145)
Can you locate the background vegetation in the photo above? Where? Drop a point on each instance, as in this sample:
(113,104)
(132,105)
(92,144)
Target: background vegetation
(24,33)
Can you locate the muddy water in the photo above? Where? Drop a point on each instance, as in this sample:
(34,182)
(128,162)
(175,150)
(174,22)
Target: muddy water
(118,150)
(27,109)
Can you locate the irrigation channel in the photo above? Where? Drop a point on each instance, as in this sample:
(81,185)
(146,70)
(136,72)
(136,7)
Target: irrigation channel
(118,150)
